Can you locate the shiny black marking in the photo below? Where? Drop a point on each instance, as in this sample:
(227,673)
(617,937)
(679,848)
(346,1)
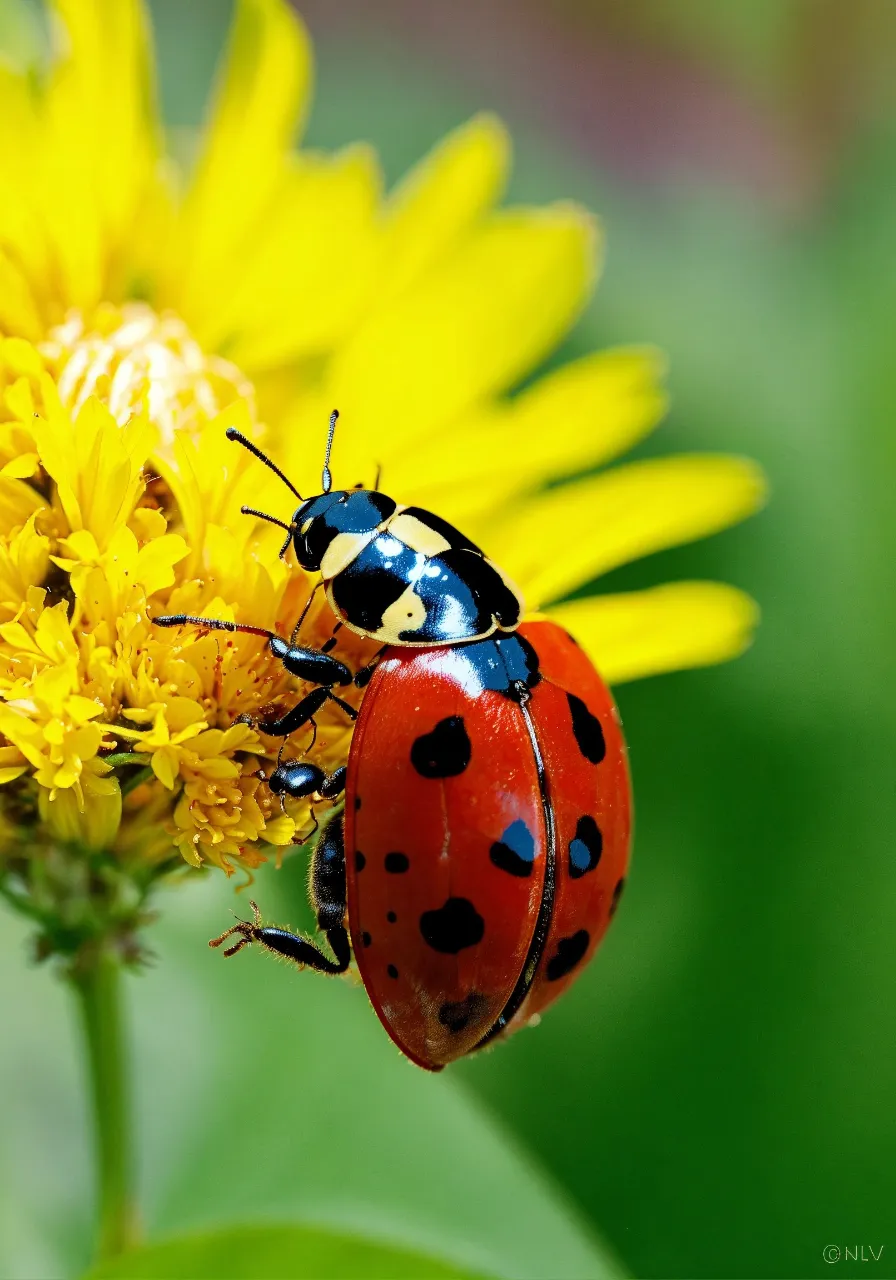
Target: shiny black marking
(443,753)
(462,593)
(588,733)
(503,664)
(397,863)
(360,860)
(366,939)
(457,1014)
(342,511)
(546,909)
(453,927)
(569,952)
(328,645)
(374,580)
(487,584)
(585,847)
(391,970)
(452,536)
(515,851)
(391,917)
(617,894)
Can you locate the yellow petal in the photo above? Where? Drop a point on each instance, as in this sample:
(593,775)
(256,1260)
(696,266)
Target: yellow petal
(94,820)
(18,310)
(81,709)
(164,766)
(20,155)
(261,92)
(279,830)
(441,197)
(492,309)
(155,562)
(302,283)
(553,543)
(668,628)
(584,414)
(99,145)
(97,465)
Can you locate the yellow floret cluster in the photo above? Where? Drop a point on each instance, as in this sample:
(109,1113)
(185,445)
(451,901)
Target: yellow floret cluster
(99,704)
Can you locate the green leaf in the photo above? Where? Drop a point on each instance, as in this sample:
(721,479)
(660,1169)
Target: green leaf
(268,1252)
(266,1093)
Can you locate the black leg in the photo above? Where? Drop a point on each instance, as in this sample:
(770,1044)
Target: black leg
(329,896)
(303,712)
(300,714)
(362,677)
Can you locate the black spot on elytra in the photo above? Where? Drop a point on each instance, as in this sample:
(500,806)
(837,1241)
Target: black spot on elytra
(617,894)
(392,971)
(360,860)
(357,803)
(391,917)
(456,1014)
(569,953)
(397,863)
(452,927)
(366,939)
(585,847)
(588,733)
(329,644)
(515,851)
(445,752)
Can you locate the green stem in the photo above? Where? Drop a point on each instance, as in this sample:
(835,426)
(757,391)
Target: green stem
(98,986)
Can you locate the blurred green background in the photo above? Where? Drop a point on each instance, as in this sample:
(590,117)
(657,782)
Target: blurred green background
(716,1096)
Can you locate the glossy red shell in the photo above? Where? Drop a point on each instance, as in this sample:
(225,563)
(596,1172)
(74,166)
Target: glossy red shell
(442,911)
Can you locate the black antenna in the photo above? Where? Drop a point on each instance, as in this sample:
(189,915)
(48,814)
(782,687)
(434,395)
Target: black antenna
(233,434)
(263,515)
(211,624)
(326,480)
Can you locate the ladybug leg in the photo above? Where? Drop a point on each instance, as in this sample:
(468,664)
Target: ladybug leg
(304,614)
(329,645)
(328,889)
(303,712)
(329,895)
(362,677)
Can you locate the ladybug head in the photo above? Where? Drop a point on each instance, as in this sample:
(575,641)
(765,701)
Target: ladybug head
(316,521)
(319,520)
(315,525)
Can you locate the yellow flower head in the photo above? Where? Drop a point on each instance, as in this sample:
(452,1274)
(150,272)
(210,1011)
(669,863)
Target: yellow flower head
(143,311)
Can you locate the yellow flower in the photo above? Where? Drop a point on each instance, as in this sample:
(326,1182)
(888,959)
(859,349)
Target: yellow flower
(143,311)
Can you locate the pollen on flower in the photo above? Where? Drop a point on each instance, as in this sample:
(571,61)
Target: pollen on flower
(110,524)
(139,361)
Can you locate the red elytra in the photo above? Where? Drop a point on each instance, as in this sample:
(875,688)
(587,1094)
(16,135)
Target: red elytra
(486,838)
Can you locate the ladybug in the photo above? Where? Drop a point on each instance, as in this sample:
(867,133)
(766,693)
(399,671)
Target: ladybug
(484,841)
(396,574)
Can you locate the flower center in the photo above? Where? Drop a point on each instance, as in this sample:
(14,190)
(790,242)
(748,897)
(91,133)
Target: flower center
(138,360)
